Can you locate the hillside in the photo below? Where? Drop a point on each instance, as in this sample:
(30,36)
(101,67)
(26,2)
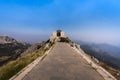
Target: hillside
(7,39)
(11,48)
(104,52)
(32,53)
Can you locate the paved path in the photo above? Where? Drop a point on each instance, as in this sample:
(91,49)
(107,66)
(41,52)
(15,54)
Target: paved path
(63,63)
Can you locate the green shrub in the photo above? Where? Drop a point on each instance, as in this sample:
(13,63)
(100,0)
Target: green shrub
(63,39)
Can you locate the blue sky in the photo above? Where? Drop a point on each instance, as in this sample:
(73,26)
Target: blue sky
(87,20)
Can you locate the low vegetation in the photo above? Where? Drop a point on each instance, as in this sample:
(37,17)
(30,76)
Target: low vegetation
(13,67)
(63,39)
(113,71)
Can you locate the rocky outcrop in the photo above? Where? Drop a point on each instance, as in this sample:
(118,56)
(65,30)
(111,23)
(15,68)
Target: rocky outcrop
(6,39)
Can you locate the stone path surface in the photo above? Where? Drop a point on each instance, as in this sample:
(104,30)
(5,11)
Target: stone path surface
(63,63)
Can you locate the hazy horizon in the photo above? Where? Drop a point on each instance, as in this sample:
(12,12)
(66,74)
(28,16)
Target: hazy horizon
(86,20)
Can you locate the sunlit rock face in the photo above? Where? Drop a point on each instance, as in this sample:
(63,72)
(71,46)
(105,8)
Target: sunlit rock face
(7,39)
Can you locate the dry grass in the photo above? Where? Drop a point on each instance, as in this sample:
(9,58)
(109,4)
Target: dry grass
(4,58)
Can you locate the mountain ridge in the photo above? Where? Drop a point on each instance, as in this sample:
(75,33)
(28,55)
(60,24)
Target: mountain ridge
(11,48)
(7,39)
(103,52)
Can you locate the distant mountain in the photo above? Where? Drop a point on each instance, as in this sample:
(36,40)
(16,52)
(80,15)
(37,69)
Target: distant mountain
(104,52)
(6,39)
(119,46)
(11,47)
(109,49)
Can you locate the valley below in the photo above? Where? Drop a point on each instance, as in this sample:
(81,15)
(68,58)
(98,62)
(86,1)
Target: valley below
(106,55)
